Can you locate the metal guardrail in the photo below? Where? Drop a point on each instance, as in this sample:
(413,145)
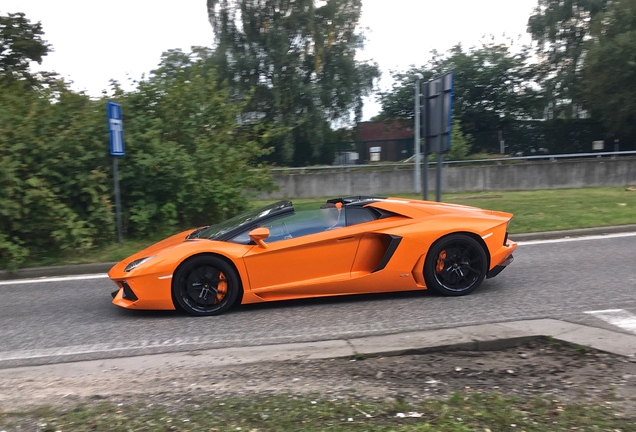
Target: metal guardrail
(472,161)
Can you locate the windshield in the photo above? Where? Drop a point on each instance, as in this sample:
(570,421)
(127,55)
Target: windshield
(215,231)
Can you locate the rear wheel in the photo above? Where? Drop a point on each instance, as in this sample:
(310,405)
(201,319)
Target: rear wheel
(455,265)
(205,285)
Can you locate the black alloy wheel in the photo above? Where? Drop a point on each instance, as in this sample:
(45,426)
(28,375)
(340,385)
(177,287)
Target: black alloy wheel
(205,285)
(455,265)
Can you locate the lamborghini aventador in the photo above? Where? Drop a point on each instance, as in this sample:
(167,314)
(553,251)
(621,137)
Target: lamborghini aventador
(350,245)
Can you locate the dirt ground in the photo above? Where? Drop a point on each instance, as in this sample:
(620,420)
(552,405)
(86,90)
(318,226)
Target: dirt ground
(567,373)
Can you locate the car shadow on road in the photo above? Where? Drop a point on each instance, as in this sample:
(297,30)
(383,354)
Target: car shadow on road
(121,313)
(281,305)
(331,301)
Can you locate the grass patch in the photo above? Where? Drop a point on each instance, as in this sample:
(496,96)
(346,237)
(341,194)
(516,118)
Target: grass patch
(110,253)
(560,209)
(534,211)
(460,412)
(546,210)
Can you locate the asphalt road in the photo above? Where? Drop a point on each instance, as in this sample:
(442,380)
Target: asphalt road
(74,319)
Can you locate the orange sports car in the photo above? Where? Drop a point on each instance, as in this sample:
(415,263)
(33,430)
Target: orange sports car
(350,245)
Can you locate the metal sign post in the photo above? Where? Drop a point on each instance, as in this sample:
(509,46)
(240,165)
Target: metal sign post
(116,131)
(437,124)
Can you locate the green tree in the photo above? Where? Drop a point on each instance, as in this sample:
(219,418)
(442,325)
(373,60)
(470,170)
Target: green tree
(296,61)
(609,76)
(460,143)
(188,162)
(20,43)
(190,154)
(492,85)
(54,187)
(54,193)
(561,29)
(398,103)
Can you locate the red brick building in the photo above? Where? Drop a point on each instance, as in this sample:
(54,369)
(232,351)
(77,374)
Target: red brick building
(388,141)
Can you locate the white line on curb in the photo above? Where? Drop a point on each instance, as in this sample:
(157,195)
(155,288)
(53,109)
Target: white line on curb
(572,239)
(617,317)
(54,279)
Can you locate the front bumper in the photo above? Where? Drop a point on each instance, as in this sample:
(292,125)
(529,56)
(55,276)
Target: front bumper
(126,292)
(141,291)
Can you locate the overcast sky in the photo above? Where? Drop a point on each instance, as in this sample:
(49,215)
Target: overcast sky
(95,41)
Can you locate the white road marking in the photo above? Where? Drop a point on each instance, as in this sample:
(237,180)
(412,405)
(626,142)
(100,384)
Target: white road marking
(54,279)
(573,239)
(617,317)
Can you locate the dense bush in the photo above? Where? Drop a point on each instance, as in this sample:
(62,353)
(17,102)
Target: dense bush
(188,160)
(54,191)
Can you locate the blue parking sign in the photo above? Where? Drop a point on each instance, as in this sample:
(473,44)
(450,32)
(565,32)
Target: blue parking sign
(116,128)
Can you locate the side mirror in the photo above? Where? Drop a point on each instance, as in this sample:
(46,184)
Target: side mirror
(258,235)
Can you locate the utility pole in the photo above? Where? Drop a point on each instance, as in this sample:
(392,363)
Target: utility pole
(416,141)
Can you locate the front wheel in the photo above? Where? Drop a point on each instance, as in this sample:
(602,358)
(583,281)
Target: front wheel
(455,265)
(205,285)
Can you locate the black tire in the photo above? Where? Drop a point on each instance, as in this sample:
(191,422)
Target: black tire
(204,286)
(455,265)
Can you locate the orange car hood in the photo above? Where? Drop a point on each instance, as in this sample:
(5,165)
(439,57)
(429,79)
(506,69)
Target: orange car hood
(161,246)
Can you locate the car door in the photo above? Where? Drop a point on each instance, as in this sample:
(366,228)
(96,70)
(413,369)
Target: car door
(305,257)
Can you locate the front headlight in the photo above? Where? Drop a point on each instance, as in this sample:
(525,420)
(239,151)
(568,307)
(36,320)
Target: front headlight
(136,263)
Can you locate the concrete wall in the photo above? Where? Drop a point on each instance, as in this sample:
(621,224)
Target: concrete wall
(557,174)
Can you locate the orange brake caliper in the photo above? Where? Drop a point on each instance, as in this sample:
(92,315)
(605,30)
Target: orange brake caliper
(441,260)
(221,288)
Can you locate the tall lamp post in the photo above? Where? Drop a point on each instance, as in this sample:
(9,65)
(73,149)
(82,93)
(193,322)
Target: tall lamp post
(416,141)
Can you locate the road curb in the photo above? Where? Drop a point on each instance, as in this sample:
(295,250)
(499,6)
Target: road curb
(481,337)
(79,269)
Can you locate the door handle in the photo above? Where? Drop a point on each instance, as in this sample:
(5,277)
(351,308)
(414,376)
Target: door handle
(346,238)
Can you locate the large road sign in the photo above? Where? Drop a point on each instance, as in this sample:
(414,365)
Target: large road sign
(436,124)
(437,108)
(116,128)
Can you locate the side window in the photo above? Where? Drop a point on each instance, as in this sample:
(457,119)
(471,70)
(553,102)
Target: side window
(242,238)
(299,224)
(358,215)
(277,231)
